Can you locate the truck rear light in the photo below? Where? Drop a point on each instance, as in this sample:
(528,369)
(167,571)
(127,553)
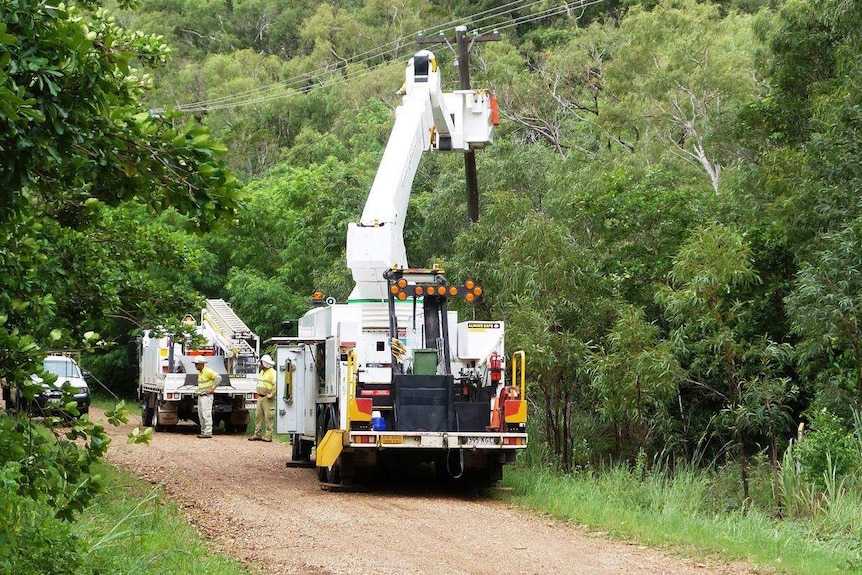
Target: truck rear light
(364,439)
(513,441)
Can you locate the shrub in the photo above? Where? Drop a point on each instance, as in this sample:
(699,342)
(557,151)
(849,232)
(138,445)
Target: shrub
(32,540)
(828,448)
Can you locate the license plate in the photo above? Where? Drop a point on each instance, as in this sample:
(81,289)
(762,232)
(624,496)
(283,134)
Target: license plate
(53,400)
(479,441)
(391,439)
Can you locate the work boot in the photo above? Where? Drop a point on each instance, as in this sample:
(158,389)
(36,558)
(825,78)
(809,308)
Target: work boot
(202,436)
(255,438)
(265,439)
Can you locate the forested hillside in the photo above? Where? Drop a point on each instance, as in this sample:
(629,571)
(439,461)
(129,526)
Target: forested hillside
(669,215)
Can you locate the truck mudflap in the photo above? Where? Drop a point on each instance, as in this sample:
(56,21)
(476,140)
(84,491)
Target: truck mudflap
(436,440)
(330,448)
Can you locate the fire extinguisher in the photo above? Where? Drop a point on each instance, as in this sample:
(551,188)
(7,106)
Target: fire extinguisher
(496,367)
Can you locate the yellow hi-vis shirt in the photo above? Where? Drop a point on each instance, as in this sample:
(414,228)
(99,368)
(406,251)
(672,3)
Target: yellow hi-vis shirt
(208,378)
(266,381)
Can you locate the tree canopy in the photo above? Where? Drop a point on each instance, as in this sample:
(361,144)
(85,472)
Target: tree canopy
(669,214)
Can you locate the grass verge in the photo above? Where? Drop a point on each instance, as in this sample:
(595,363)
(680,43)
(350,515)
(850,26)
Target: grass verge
(132,529)
(674,514)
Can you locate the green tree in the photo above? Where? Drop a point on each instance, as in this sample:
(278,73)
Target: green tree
(635,379)
(707,318)
(76,142)
(825,307)
(679,70)
(553,297)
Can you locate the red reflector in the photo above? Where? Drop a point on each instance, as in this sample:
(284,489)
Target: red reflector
(511,406)
(364,405)
(375,392)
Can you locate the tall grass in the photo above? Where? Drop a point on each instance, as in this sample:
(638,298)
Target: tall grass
(682,511)
(131,529)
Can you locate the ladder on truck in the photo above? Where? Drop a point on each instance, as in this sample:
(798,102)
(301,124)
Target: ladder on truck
(230,327)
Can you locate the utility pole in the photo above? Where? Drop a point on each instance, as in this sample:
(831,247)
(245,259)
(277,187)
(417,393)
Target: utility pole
(464,44)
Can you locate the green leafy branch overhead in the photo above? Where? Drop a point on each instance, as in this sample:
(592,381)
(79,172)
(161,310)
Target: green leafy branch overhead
(73,130)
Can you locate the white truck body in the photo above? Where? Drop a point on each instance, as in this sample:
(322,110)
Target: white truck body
(168,378)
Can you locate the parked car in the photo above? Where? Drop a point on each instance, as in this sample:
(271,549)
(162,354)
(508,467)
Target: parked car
(50,399)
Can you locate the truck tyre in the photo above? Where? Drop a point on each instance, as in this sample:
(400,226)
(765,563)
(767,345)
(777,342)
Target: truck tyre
(295,447)
(305,447)
(333,474)
(147,416)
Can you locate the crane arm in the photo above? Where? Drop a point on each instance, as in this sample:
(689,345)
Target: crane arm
(426,119)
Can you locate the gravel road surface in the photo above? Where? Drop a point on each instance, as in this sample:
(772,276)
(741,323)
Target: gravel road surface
(279,521)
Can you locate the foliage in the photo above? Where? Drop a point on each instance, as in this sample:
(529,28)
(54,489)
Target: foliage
(32,540)
(84,163)
(707,151)
(825,305)
(827,448)
(635,378)
(617,135)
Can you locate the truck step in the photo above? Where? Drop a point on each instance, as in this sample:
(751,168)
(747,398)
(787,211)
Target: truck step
(300,465)
(343,487)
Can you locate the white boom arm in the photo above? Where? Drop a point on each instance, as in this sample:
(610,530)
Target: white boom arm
(427,119)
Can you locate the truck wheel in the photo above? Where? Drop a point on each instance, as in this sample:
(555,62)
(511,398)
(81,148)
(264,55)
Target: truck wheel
(320,426)
(147,416)
(333,474)
(305,448)
(295,448)
(156,425)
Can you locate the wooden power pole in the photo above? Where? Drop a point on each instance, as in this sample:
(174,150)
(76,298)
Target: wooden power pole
(464,43)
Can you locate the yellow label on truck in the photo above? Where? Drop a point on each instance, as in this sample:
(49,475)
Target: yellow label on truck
(482,325)
(391,439)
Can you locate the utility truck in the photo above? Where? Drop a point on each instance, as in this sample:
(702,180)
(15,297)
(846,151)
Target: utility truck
(392,376)
(167,386)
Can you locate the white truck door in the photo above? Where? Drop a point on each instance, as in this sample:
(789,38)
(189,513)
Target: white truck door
(290,380)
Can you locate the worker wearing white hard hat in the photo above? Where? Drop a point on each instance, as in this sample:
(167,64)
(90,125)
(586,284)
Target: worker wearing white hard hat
(208,380)
(264,417)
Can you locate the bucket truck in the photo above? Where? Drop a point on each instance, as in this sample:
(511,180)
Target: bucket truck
(167,384)
(392,375)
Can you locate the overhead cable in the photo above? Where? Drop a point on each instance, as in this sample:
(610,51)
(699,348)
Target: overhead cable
(324,75)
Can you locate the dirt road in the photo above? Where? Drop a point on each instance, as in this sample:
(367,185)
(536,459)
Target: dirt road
(278,519)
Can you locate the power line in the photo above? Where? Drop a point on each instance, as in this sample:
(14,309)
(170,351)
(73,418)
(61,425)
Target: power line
(241,97)
(302,83)
(547,13)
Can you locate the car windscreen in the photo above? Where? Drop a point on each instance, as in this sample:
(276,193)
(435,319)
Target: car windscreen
(61,368)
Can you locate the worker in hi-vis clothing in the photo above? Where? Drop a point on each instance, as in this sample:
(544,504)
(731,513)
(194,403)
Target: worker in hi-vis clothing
(264,416)
(208,380)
